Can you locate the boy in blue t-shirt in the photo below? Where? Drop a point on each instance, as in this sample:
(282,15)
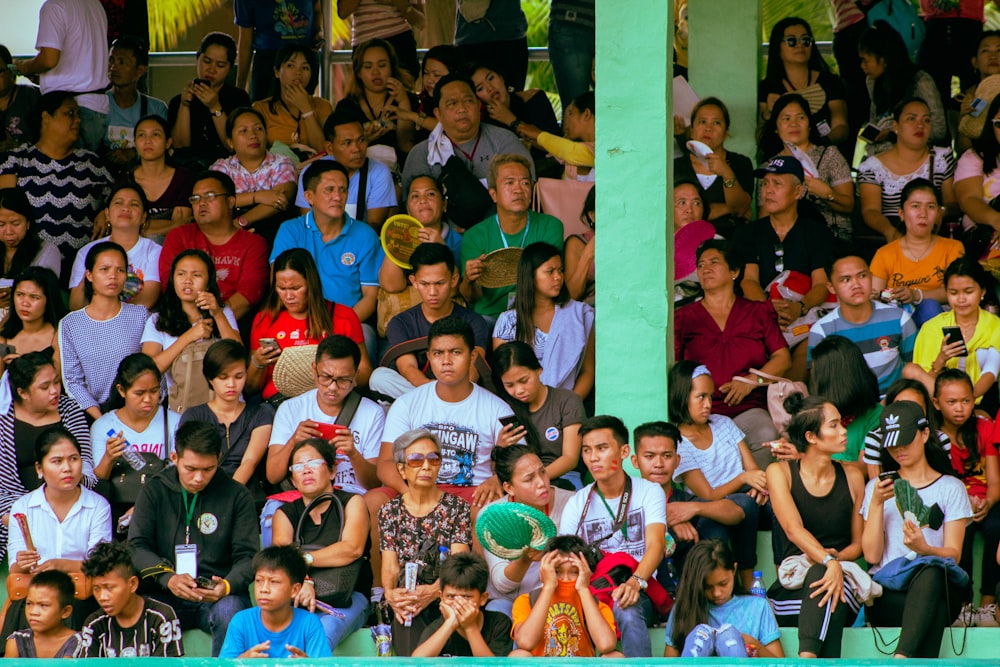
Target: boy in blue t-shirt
(274,628)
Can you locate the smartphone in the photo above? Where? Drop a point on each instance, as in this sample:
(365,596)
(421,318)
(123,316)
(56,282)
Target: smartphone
(870,133)
(6,349)
(889,474)
(268,343)
(978,106)
(205,582)
(204,82)
(952,334)
(514,422)
(330,431)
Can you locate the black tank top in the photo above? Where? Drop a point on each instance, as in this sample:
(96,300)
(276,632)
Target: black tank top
(828,518)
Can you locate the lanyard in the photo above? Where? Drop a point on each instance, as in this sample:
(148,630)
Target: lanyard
(475,147)
(190,514)
(524,236)
(619,518)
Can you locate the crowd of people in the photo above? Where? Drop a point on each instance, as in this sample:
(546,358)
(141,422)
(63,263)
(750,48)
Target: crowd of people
(259,419)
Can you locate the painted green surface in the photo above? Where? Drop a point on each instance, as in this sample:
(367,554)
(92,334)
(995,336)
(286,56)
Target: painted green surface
(634,52)
(724,58)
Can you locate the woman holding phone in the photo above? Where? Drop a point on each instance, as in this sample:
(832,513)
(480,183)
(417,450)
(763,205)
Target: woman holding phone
(966,335)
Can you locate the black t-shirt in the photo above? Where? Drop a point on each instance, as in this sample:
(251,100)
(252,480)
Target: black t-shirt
(411,324)
(496,633)
(328,532)
(833,89)
(805,247)
(205,141)
(157,633)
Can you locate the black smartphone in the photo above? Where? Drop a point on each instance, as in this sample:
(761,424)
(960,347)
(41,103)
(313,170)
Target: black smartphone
(870,133)
(514,422)
(6,349)
(205,582)
(204,82)
(889,474)
(953,334)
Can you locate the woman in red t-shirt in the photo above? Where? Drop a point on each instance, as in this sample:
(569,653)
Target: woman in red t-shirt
(975,460)
(295,313)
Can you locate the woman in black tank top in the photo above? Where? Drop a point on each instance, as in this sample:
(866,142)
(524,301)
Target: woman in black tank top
(817,501)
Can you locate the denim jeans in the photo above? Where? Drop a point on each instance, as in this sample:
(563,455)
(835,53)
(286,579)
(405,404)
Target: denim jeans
(705,641)
(571,52)
(632,624)
(210,617)
(93,128)
(336,628)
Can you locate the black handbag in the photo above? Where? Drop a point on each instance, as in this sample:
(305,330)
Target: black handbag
(468,201)
(334,585)
(127,482)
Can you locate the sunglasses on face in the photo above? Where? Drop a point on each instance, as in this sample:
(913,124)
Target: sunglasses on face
(793,41)
(312,464)
(417,460)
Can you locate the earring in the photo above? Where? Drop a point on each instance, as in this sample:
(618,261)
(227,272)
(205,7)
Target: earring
(510,89)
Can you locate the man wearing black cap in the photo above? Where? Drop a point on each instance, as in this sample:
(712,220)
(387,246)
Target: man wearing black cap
(784,241)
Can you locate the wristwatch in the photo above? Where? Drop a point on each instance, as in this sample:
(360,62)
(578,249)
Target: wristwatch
(643,584)
(729,183)
(829,557)
(830,197)
(308,558)
(218,112)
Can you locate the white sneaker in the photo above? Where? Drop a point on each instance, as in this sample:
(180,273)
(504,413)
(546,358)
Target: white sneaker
(966,617)
(985,616)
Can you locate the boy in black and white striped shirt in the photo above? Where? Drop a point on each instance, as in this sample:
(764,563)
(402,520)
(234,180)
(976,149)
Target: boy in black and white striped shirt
(128,625)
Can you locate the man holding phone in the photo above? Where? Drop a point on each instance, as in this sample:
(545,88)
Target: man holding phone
(316,414)
(194,533)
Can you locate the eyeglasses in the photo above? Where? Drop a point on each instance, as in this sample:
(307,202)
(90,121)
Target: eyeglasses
(312,464)
(417,460)
(342,383)
(207,197)
(779,257)
(793,41)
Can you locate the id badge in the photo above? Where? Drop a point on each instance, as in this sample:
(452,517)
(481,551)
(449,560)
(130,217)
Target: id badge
(186,559)
(823,128)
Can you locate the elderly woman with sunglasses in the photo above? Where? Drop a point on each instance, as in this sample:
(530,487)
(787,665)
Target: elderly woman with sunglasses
(794,65)
(417,527)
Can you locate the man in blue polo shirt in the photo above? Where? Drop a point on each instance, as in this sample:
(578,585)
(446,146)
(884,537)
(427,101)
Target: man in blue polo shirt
(346,143)
(347,252)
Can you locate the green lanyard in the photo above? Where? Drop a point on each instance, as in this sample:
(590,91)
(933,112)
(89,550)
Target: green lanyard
(622,507)
(190,513)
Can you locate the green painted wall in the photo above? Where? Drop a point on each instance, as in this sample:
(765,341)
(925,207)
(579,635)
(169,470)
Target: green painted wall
(634,54)
(724,62)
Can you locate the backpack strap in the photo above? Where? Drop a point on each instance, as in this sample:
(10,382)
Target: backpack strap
(347,410)
(362,209)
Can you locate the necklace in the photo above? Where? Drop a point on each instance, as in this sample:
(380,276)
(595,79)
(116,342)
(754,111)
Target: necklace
(911,253)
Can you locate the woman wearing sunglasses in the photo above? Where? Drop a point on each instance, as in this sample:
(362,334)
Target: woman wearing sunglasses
(794,65)
(345,533)
(417,527)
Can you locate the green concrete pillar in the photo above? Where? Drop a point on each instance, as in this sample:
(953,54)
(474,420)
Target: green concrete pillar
(724,60)
(634,166)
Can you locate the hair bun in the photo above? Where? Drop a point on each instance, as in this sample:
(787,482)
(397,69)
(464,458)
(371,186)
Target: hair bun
(794,402)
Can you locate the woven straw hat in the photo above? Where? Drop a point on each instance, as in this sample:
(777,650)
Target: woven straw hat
(986,91)
(506,529)
(293,373)
(399,238)
(500,268)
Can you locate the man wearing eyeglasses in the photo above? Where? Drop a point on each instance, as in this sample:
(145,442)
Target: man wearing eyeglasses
(783,240)
(240,257)
(312,415)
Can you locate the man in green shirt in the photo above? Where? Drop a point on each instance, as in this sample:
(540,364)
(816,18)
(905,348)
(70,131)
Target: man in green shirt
(513,226)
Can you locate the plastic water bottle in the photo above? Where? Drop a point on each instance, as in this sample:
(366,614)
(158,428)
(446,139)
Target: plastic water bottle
(443,553)
(670,580)
(757,587)
(132,457)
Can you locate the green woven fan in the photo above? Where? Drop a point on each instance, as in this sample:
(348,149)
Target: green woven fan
(507,529)
(909,503)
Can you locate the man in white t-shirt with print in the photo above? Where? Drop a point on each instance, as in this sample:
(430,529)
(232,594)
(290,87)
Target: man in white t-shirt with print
(312,415)
(595,513)
(464,416)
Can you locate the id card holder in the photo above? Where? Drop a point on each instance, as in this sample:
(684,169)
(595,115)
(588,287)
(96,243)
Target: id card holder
(186,559)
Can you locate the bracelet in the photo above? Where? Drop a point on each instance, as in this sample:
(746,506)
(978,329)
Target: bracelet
(917,303)
(242,222)
(307,114)
(255,364)
(516,124)
(228,587)
(309,580)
